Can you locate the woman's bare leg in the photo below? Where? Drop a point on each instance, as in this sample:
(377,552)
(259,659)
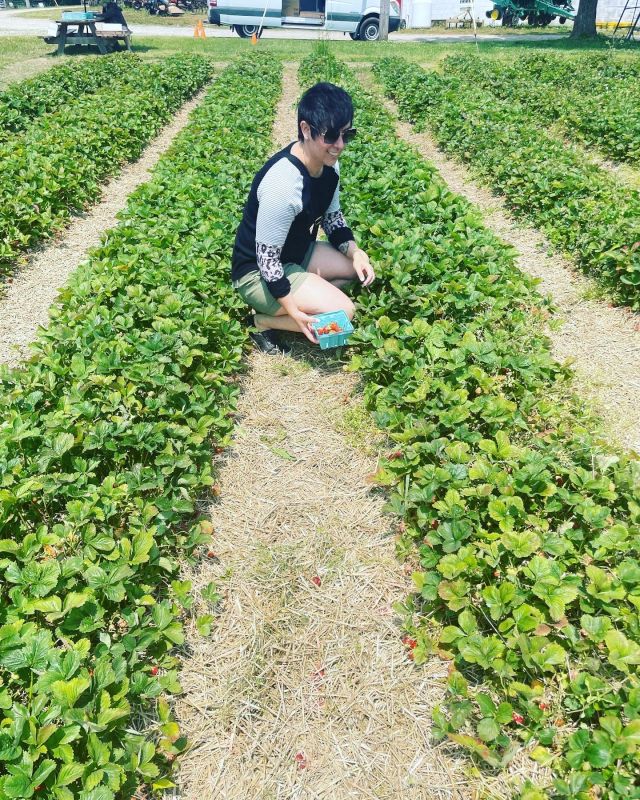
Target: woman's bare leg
(315,296)
(332,265)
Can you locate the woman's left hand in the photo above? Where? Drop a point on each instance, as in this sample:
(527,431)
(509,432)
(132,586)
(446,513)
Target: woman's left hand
(363,267)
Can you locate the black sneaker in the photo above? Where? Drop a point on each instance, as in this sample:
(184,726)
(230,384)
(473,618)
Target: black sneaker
(269,342)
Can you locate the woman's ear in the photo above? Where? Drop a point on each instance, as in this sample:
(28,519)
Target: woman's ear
(306,130)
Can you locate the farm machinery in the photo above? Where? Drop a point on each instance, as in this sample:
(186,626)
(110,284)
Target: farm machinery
(536,12)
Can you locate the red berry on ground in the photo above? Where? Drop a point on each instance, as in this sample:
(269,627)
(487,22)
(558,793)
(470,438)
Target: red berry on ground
(517,718)
(435,523)
(154,670)
(211,554)
(316,580)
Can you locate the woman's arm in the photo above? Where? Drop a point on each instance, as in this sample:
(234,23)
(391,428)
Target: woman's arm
(341,237)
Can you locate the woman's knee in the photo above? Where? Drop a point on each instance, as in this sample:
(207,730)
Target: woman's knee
(349,307)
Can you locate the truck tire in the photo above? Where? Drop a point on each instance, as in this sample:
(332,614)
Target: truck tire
(247,31)
(369,29)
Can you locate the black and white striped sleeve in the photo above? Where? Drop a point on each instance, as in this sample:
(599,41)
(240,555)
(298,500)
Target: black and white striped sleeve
(279,202)
(334,224)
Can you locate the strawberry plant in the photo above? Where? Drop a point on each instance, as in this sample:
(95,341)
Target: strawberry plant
(594,99)
(104,450)
(58,165)
(525,523)
(24,102)
(580,207)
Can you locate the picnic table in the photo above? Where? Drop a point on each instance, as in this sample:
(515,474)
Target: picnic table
(88,30)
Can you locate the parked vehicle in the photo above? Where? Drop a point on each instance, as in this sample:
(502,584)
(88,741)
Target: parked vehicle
(192,5)
(359,18)
(157,7)
(536,12)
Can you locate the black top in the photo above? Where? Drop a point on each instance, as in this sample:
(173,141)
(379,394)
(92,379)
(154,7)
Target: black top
(281,217)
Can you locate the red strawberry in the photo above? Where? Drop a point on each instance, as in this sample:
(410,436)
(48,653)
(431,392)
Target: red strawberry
(316,580)
(154,670)
(211,554)
(435,523)
(517,718)
(301,760)
(395,454)
(543,706)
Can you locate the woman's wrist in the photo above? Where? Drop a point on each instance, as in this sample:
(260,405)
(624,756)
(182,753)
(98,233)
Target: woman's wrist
(352,249)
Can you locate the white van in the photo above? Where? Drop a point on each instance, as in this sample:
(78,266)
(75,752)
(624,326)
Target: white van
(358,18)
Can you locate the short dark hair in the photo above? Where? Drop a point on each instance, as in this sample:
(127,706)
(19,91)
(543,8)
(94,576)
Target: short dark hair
(324,106)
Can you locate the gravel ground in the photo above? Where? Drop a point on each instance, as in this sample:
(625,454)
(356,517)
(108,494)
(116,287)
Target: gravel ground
(601,342)
(25,305)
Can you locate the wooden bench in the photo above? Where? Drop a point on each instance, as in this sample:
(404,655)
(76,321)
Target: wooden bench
(102,35)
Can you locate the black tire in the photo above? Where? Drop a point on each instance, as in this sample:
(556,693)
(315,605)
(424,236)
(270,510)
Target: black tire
(247,31)
(354,36)
(369,30)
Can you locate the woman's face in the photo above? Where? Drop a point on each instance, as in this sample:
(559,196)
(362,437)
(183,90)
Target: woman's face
(318,149)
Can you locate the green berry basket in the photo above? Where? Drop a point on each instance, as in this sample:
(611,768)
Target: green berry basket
(326,340)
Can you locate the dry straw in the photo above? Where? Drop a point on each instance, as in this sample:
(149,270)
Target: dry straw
(304,689)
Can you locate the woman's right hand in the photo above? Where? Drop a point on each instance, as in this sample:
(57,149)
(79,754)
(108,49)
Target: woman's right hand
(304,322)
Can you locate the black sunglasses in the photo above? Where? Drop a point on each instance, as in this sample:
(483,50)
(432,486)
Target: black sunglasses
(331,135)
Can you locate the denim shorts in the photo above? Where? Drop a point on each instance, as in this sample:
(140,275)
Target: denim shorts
(253,289)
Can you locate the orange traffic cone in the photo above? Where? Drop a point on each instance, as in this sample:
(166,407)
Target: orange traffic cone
(254,38)
(199,32)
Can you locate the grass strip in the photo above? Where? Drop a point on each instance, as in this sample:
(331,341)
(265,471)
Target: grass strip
(524,526)
(579,206)
(104,451)
(24,102)
(58,165)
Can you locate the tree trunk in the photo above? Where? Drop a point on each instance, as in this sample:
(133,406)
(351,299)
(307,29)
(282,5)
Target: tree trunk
(384,21)
(585,21)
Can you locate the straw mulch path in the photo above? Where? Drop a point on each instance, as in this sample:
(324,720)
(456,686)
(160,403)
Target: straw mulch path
(26,297)
(304,689)
(601,342)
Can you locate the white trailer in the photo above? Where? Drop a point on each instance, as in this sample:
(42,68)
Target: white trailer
(359,18)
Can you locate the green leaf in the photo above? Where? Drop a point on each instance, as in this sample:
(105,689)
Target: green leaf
(62,443)
(488,729)
(69,773)
(203,624)
(598,754)
(68,692)
(521,543)
(18,786)
(623,652)
(596,627)
(631,735)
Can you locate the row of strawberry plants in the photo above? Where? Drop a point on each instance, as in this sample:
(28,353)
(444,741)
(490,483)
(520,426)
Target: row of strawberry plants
(581,208)
(58,164)
(526,527)
(23,102)
(599,104)
(104,451)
